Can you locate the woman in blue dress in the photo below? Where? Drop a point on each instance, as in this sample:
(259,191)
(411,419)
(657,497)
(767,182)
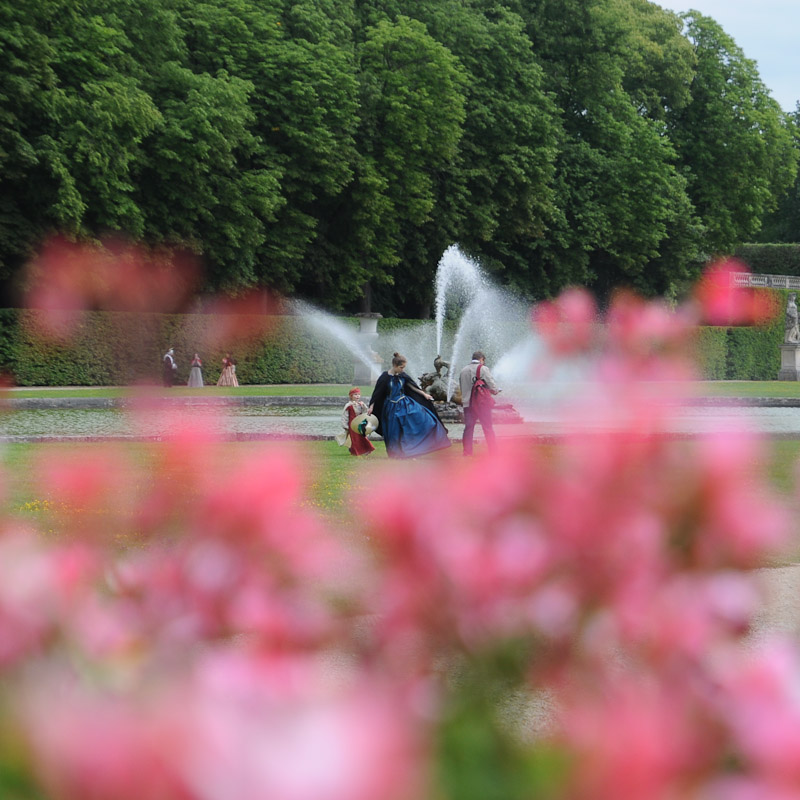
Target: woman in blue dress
(408,421)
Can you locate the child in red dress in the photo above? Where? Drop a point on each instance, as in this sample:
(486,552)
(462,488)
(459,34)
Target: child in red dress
(359,444)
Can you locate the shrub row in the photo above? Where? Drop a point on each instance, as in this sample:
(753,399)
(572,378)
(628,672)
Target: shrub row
(743,353)
(114,348)
(771,259)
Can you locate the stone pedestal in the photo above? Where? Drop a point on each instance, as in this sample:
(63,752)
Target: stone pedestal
(367,336)
(790,363)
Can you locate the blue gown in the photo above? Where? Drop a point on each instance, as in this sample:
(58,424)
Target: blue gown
(409,429)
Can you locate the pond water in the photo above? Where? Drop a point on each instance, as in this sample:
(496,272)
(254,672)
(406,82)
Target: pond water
(697,419)
(323,421)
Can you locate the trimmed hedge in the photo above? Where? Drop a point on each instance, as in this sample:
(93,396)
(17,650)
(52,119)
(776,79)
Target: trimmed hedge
(117,348)
(771,259)
(710,352)
(753,353)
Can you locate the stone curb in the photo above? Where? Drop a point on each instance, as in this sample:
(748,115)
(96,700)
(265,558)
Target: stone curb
(747,402)
(226,437)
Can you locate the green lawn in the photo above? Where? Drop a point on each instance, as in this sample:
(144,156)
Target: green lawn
(699,388)
(747,388)
(332,471)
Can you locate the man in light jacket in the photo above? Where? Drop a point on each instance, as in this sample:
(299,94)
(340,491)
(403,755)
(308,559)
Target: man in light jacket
(466,380)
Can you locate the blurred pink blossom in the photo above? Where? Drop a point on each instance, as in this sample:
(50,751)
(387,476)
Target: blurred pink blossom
(569,323)
(721,303)
(68,277)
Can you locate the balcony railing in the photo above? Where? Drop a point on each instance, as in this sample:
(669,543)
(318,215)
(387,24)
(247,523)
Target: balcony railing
(745,279)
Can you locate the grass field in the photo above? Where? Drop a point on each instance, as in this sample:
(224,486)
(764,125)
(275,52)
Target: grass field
(772,389)
(790,389)
(333,475)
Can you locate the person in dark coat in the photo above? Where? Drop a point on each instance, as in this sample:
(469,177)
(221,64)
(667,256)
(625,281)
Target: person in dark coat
(408,420)
(169,368)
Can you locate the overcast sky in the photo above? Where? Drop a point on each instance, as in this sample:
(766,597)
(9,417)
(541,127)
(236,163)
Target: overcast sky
(767,31)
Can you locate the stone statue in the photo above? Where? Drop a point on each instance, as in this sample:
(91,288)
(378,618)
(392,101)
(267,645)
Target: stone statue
(437,385)
(792,330)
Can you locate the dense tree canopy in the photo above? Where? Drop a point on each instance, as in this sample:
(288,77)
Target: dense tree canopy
(334,148)
(783,224)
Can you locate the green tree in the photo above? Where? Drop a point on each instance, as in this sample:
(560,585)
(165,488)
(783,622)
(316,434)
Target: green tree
(411,113)
(732,139)
(73,121)
(496,190)
(615,68)
(500,184)
(783,224)
(196,182)
(298,58)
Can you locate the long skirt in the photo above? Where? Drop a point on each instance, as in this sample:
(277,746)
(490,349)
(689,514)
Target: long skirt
(410,429)
(360,445)
(228,377)
(195,378)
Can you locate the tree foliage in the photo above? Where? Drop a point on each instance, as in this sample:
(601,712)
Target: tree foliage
(732,138)
(334,149)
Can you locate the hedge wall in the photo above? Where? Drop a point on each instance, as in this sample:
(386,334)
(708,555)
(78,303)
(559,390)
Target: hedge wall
(771,259)
(710,352)
(753,353)
(115,348)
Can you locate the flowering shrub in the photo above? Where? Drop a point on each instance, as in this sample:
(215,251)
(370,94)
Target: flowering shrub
(561,621)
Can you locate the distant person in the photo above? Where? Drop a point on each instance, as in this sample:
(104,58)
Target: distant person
(477,409)
(228,375)
(169,368)
(355,407)
(406,414)
(196,373)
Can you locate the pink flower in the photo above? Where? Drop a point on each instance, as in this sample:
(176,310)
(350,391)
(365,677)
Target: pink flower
(633,738)
(721,303)
(39,588)
(761,703)
(90,745)
(568,324)
(284,730)
(68,277)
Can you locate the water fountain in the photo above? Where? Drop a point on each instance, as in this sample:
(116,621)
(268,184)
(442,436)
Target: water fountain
(471,313)
(368,336)
(359,344)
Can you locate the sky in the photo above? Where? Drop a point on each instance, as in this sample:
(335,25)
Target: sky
(766,31)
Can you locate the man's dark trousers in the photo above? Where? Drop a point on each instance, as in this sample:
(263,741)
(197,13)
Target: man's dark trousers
(471,417)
